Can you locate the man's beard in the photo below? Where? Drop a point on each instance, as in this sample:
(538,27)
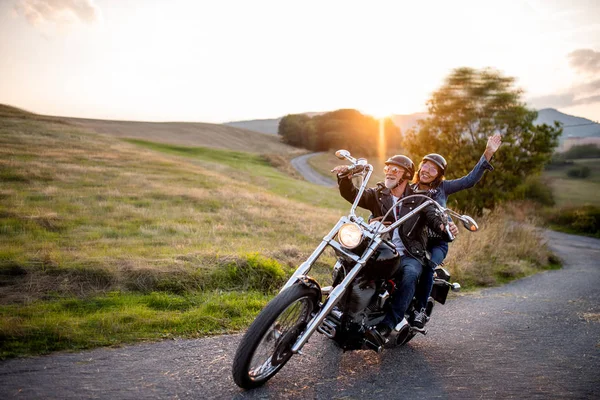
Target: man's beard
(391,183)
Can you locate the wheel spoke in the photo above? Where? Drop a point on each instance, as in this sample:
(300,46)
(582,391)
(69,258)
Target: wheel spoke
(270,351)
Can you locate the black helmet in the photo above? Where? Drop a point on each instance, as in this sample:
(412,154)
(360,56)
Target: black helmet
(437,160)
(404,162)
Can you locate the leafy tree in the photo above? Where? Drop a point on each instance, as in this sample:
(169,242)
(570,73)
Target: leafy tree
(468,108)
(295,130)
(345,128)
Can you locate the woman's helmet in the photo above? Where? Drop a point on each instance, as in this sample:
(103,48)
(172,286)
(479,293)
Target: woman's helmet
(437,160)
(404,162)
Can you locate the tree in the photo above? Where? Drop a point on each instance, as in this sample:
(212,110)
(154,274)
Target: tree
(294,129)
(468,108)
(345,128)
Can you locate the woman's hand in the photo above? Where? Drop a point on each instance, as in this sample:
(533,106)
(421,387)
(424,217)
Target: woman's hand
(493,144)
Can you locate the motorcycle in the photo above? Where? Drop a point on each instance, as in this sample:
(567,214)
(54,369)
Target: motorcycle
(346,311)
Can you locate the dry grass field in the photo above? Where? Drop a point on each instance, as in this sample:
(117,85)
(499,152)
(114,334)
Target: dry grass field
(190,134)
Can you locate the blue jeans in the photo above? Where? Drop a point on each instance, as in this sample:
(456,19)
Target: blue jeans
(405,290)
(438,249)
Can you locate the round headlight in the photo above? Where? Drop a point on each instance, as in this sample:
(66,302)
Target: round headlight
(350,235)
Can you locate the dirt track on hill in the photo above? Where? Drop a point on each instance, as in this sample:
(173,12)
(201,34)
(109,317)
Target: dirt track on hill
(538,337)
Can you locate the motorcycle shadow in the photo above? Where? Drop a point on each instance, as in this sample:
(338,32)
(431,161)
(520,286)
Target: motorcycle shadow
(324,371)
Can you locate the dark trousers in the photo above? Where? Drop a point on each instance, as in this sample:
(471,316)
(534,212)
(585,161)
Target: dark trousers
(409,274)
(438,249)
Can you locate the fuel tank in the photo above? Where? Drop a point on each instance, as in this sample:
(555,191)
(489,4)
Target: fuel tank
(383,264)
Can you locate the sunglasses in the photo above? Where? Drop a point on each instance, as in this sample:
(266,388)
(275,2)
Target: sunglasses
(392,169)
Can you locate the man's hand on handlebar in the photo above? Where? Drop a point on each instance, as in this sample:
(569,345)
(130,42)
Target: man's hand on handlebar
(341,170)
(385,223)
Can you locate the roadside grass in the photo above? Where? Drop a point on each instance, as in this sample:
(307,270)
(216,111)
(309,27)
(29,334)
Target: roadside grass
(509,245)
(105,242)
(117,317)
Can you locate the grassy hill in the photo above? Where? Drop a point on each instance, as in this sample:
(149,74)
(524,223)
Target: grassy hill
(178,133)
(86,215)
(105,241)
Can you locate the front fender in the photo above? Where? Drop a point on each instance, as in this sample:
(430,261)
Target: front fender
(309,282)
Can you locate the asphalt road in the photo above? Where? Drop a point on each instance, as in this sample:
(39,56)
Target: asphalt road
(301,165)
(538,337)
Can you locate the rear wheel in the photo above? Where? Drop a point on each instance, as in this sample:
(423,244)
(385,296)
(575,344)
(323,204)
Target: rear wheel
(266,346)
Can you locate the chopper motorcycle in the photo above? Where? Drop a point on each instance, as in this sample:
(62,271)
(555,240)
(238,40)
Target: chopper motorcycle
(346,311)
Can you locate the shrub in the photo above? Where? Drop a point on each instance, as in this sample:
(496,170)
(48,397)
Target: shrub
(535,190)
(254,272)
(582,151)
(584,220)
(582,172)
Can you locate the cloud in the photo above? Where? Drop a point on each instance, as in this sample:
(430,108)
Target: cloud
(575,96)
(585,60)
(58,11)
(567,99)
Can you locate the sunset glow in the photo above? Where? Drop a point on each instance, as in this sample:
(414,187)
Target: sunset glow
(234,60)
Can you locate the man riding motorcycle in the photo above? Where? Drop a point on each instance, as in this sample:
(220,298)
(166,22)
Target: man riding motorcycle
(410,238)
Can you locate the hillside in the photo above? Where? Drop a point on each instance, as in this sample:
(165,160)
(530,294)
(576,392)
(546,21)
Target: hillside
(189,134)
(177,133)
(268,126)
(111,210)
(573,126)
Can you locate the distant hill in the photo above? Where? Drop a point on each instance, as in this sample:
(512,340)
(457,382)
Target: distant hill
(189,134)
(271,126)
(573,126)
(196,134)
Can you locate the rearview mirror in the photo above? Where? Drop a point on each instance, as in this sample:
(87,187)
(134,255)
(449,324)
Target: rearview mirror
(469,223)
(342,154)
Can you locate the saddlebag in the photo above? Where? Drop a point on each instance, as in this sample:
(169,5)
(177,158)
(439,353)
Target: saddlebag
(439,292)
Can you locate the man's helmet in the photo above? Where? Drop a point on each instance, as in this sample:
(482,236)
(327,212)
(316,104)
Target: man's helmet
(437,160)
(404,162)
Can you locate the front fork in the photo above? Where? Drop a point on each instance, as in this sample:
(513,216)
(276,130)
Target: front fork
(335,295)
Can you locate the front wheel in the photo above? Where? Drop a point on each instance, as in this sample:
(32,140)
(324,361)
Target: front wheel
(266,346)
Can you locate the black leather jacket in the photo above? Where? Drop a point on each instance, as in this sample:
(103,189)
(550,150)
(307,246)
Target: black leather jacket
(379,200)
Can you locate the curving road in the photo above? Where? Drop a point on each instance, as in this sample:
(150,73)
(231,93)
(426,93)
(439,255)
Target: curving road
(536,338)
(301,165)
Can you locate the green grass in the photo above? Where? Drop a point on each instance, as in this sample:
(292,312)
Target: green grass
(115,318)
(254,169)
(569,192)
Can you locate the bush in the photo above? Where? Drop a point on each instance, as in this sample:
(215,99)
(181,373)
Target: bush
(585,220)
(535,190)
(558,161)
(582,151)
(582,172)
(253,272)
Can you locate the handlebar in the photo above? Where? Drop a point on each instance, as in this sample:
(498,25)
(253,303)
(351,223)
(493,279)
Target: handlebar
(360,166)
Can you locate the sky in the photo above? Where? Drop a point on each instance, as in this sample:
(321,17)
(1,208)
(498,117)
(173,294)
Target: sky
(218,61)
